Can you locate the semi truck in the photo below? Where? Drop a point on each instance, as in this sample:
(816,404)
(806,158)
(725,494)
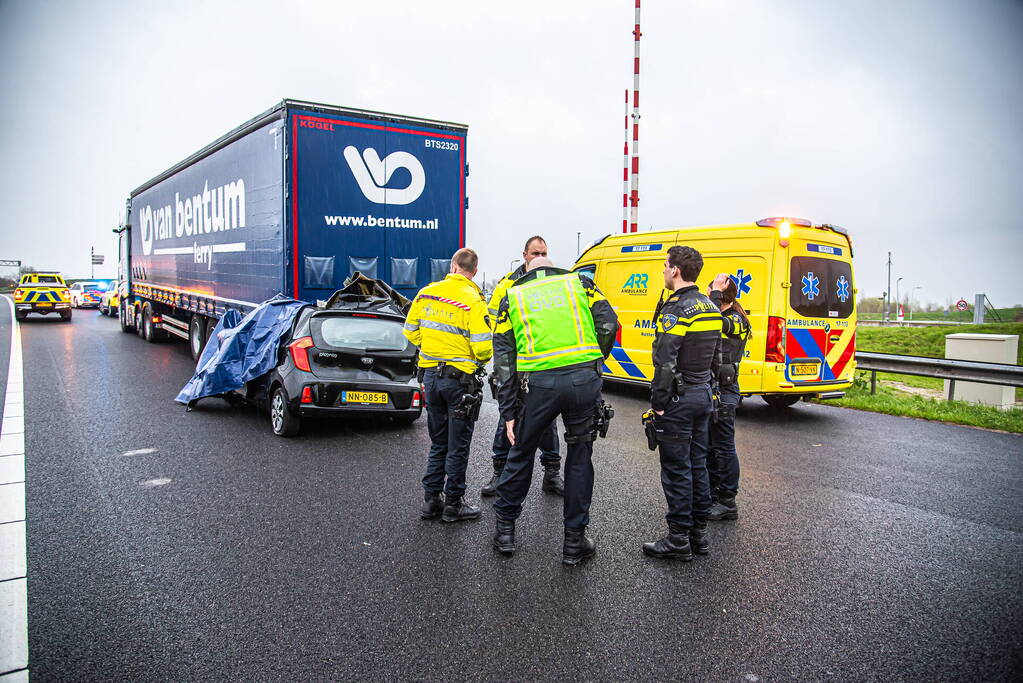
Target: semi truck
(291,202)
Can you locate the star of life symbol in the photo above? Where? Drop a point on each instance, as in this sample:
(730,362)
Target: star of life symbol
(741,280)
(843,289)
(811,286)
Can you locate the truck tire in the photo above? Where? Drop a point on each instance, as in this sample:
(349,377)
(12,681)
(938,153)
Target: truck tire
(151,333)
(122,317)
(66,314)
(780,402)
(282,421)
(197,335)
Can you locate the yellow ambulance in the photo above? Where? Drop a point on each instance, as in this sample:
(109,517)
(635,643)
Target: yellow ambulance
(794,279)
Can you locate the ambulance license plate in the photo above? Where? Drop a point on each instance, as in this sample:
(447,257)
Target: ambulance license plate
(804,369)
(363,397)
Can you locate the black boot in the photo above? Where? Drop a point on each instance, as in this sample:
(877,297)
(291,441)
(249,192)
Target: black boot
(723,508)
(674,546)
(698,537)
(577,547)
(457,511)
(490,488)
(552,481)
(433,505)
(504,537)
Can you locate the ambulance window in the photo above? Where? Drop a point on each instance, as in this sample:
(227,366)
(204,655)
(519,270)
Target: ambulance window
(589,270)
(821,288)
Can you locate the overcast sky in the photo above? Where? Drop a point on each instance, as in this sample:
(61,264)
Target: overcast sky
(902,121)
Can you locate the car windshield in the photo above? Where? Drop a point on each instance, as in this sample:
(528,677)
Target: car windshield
(371,334)
(92,288)
(821,287)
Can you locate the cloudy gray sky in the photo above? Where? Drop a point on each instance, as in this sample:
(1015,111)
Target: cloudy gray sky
(902,121)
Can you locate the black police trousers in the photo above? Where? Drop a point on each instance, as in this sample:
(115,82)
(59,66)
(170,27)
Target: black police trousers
(449,436)
(550,447)
(722,459)
(573,393)
(683,450)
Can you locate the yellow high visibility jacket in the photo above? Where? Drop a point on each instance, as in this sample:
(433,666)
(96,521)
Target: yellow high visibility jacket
(500,290)
(448,322)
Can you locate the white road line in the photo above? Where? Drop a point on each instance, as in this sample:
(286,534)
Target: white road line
(13,565)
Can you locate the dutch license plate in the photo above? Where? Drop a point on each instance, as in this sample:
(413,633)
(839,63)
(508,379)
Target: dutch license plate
(43,304)
(804,369)
(363,397)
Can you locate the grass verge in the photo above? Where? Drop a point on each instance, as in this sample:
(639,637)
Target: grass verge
(893,402)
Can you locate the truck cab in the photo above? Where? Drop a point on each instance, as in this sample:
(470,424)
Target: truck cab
(42,293)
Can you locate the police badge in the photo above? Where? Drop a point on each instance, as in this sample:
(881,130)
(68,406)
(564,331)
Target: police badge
(668,321)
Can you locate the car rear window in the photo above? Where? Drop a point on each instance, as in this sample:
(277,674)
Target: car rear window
(92,288)
(48,279)
(821,287)
(356,332)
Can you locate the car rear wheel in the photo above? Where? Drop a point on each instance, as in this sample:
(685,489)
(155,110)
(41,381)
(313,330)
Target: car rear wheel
(20,315)
(282,421)
(780,402)
(197,335)
(66,314)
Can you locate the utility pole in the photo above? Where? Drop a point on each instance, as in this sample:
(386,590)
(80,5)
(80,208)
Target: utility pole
(898,299)
(888,292)
(92,260)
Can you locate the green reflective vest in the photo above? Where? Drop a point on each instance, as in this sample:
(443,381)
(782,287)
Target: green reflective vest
(553,326)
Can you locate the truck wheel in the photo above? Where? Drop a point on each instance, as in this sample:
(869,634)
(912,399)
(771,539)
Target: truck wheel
(780,402)
(152,334)
(197,335)
(66,314)
(122,317)
(282,421)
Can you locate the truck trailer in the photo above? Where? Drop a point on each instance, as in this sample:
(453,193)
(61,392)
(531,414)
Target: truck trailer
(291,203)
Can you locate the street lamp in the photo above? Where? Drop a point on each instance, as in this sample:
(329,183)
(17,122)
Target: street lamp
(511,266)
(577,244)
(911,296)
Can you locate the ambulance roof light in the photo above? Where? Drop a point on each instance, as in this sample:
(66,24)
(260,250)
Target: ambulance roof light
(776,221)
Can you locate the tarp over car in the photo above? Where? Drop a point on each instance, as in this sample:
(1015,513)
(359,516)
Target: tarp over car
(240,349)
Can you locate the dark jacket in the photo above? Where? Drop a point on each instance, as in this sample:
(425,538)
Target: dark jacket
(735,332)
(605,322)
(687,343)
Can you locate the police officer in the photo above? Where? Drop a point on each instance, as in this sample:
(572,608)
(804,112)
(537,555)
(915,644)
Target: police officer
(535,247)
(448,322)
(722,459)
(686,357)
(554,329)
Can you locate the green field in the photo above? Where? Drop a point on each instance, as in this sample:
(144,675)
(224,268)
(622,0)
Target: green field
(1014,314)
(928,342)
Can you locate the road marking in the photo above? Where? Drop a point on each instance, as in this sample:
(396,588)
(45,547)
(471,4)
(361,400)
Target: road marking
(13,565)
(153,483)
(140,451)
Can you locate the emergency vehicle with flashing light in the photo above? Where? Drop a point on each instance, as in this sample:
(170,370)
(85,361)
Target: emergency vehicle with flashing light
(794,280)
(42,293)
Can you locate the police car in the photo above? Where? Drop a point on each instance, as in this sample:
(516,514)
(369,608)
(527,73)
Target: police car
(86,294)
(43,293)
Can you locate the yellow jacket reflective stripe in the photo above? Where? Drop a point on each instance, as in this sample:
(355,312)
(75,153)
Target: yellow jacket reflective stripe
(700,323)
(448,322)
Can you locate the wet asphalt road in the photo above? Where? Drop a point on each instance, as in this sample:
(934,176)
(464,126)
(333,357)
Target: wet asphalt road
(869,547)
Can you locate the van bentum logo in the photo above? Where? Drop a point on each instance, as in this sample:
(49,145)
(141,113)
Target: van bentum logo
(373,173)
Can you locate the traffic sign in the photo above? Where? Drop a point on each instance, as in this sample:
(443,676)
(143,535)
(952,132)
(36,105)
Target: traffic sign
(962,305)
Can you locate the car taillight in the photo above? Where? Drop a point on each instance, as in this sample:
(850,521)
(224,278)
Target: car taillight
(66,292)
(417,398)
(307,394)
(18,293)
(775,352)
(300,353)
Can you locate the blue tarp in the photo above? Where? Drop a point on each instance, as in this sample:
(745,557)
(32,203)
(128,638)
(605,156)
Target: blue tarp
(240,349)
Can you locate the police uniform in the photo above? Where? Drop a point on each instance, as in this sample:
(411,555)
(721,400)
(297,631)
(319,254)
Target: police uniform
(722,459)
(549,442)
(448,322)
(554,329)
(686,355)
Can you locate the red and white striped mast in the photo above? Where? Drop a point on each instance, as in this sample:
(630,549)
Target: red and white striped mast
(625,170)
(634,210)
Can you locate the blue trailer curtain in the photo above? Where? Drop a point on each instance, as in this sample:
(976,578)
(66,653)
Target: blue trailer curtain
(403,272)
(367,265)
(439,268)
(319,272)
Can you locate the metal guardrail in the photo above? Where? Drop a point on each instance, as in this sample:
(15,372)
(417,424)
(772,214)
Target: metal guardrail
(942,368)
